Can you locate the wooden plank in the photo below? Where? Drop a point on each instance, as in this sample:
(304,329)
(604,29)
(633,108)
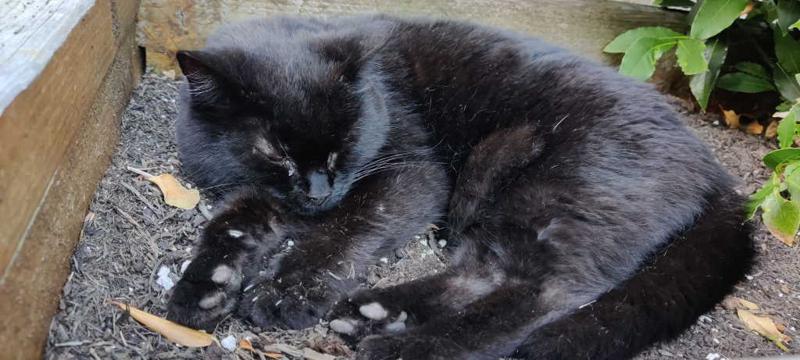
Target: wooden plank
(581,25)
(29,295)
(30,33)
(38,126)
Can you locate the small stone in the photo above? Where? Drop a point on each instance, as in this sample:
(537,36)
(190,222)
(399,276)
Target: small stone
(442,243)
(229,343)
(163,279)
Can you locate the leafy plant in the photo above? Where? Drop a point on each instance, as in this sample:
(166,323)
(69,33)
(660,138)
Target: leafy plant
(702,53)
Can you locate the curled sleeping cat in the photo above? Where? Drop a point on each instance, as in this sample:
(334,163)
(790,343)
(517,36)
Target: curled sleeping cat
(588,222)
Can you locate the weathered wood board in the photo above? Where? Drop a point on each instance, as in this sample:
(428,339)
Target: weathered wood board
(57,133)
(582,25)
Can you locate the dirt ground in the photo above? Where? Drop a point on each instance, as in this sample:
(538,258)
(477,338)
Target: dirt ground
(130,236)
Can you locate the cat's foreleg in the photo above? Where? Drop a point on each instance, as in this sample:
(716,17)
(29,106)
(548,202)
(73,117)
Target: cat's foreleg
(329,259)
(246,230)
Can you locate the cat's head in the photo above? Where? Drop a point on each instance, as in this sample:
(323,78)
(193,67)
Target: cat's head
(298,120)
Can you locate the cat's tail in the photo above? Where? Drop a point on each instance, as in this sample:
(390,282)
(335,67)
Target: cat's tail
(680,283)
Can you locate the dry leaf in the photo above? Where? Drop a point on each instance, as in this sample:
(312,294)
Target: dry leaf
(747,10)
(175,194)
(273,355)
(754,128)
(246,345)
(772,130)
(731,118)
(732,302)
(172,331)
(764,326)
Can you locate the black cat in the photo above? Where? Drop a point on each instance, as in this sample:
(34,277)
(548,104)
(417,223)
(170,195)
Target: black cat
(590,222)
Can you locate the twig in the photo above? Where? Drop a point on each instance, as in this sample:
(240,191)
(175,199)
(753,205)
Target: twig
(140,172)
(141,197)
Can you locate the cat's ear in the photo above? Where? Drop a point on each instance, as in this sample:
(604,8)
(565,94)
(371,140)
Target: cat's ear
(205,83)
(347,54)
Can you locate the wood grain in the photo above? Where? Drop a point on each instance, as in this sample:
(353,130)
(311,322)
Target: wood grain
(37,127)
(581,25)
(33,282)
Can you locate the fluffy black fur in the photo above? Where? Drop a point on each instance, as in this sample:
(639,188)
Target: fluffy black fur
(590,222)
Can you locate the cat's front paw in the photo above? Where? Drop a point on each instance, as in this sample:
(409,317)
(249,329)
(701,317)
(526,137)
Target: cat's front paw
(208,291)
(365,313)
(288,306)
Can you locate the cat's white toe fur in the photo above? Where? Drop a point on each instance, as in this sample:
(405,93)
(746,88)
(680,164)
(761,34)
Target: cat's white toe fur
(374,311)
(222,274)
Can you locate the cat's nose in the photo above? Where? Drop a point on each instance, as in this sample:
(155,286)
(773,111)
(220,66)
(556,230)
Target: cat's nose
(319,187)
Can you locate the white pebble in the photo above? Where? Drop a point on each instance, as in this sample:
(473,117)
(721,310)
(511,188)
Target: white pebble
(290,243)
(442,243)
(229,343)
(384,260)
(163,278)
(185,265)
(712,356)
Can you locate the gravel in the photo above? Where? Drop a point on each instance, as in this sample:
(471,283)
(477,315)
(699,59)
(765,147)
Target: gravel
(133,247)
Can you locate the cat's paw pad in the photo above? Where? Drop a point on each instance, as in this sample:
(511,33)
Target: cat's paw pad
(360,316)
(205,294)
(268,306)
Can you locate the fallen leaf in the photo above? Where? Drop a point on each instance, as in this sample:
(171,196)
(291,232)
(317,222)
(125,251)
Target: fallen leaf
(732,302)
(747,10)
(772,130)
(731,118)
(175,194)
(764,326)
(172,331)
(246,345)
(273,355)
(754,128)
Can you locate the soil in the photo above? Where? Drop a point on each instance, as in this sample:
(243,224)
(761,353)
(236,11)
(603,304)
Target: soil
(130,234)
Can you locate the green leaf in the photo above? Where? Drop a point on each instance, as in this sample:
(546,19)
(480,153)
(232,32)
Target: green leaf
(787,85)
(744,83)
(673,3)
(780,156)
(786,129)
(690,56)
(788,14)
(753,69)
(702,84)
(623,41)
(640,59)
(787,50)
(795,26)
(784,106)
(713,16)
(758,197)
(791,177)
(781,216)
